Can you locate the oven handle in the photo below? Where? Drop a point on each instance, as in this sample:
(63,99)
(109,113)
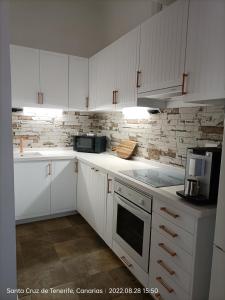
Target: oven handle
(132,207)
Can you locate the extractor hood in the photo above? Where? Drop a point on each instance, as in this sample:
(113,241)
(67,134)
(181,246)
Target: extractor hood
(158,99)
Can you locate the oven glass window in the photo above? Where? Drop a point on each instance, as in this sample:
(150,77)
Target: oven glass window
(130,228)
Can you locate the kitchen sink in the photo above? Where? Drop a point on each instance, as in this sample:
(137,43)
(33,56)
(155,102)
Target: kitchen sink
(30,154)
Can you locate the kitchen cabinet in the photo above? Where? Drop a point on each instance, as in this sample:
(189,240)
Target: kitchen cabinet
(205,58)
(91,196)
(112,74)
(54,79)
(24,75)
(180,252)
(63,186)
(32,189)
(78,83)
(162,49)
(44,188)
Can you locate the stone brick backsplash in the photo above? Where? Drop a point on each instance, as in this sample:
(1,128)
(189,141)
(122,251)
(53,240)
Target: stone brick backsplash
(164,137)
(42,131)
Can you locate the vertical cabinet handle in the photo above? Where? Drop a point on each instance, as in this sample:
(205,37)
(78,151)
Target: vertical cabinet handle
(49,169)
(87,102)
(76,166)
(40,99)
(165,285)
(138,79)
(113,99)
(116,97)
(109,190)
(184,77)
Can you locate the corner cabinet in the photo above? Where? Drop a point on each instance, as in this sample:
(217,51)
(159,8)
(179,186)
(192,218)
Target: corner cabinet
(91,196)
(44,188)
(112,74)
(205,58)
(162,49)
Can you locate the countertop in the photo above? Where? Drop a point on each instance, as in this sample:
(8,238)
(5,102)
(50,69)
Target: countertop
(111,164)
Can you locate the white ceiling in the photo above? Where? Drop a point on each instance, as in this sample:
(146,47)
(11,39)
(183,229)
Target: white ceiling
(79,27)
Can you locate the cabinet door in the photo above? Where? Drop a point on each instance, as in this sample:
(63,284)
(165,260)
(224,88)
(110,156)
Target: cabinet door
(24,75)
(102,79)
(162,48)
(78,83)
(32,189)
(126,50)
(54,79)
(109,213)
(63,186)
(205,62)
(98,201)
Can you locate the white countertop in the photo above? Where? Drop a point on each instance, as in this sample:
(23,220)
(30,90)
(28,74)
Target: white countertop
(113,165)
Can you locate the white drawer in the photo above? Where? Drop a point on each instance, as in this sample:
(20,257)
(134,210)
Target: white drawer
(167,289)
(141,275)
(167,267)
(175,254)
(171,213)
(174,233)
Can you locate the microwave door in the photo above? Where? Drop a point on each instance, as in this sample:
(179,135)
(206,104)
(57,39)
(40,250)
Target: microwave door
(86,144)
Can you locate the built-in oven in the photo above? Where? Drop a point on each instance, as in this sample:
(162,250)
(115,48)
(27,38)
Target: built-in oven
(132,222)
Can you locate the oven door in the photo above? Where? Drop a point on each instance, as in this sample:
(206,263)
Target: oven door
(131,230)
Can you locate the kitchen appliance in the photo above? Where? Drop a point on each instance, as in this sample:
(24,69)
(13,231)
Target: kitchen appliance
(132,222)
(157,176)
(89,143)
(202,175)
(217,286)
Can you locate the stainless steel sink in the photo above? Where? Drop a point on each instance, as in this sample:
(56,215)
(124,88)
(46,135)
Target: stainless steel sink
(30,154)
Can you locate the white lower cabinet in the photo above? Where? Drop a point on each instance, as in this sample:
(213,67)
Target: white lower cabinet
(63,186)
(180,253)
(91,196)
(32,189)
(44,188)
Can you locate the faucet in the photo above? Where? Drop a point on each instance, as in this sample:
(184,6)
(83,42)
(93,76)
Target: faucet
(21,150)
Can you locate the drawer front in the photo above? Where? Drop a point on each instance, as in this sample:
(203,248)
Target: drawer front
(175,254)
(174,215)
(174,233)
(171,213)
(138,197)
(134,268)
(167,289)
(167,267)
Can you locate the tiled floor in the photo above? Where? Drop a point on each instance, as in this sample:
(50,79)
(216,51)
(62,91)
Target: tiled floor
(67,253)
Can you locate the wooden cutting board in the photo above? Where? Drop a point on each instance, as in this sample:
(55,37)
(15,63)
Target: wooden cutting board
(125,149)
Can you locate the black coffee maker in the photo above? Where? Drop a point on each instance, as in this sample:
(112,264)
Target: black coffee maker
(202,175)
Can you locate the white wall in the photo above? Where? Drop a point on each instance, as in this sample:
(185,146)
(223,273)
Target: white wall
(7,218)
(79,27)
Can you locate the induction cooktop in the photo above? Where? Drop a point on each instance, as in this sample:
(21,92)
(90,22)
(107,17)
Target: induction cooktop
(156,177)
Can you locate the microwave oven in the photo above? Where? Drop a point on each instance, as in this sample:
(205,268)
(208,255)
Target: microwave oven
(90,144)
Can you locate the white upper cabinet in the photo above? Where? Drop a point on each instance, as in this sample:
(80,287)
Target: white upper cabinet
(102,79)
(126,51)
(205,59)
(162,48)
(78,83)
(54,79)
(24,76)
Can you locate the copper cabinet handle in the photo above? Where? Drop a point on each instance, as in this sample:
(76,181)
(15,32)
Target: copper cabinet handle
(164,209)
(108,188)
(158,296)
(49,169)
(113,99)
(115,96)
(123,258)
(165,229)
(165,248)
(165,285)
(184,77)
(138,79)
(40,98)
(87,102)
(164,266)
(76,166)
